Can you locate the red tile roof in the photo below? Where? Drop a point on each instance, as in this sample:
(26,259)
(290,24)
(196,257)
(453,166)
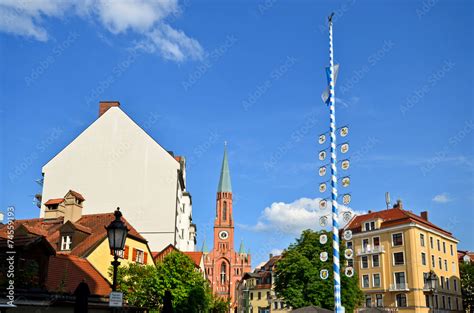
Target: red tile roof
(93,224)
(195,256)
(392,217)
(77,195)
(65,272)
(54,201)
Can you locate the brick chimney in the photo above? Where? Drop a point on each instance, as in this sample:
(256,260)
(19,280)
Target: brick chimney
(424,215)
(105,105)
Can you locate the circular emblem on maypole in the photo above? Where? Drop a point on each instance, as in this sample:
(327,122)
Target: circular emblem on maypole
(346,216)
(347,235)
(346,199)
(323,221)
(322,171)
(323,256)
(323,239)
(322,187)
(349,271)
(344,147)
(344,131)
(323,204)
(346,181)
(322,139)
(348,253)
(322,155)
(345,164)
(324,274)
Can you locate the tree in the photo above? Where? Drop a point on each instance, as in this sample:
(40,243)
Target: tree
(298,275)
(145,285)
(466,271)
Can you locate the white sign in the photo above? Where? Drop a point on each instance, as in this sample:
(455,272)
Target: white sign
(116,299)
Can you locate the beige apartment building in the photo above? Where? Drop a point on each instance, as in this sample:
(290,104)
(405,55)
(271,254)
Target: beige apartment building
(255,291)
(396,252)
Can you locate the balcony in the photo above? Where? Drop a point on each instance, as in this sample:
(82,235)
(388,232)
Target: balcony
(399,287)
(370,250)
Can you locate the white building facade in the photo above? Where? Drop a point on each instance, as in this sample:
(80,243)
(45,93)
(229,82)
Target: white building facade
(115,163)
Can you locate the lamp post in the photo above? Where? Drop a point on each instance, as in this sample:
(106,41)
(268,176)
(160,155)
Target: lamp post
(431,284)
(117,234)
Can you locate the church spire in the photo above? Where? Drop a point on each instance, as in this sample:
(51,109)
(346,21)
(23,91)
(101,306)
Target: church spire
(224,181)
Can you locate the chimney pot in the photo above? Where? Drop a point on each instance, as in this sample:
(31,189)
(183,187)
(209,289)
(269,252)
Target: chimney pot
(424,215)
(271,255)
(370,211)
(105,105)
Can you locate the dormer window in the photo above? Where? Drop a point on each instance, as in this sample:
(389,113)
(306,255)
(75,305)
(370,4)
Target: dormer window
(53,206)
(66,243)
(369,226)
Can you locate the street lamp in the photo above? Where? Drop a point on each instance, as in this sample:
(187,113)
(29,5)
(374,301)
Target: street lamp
(117,234)
(431,281)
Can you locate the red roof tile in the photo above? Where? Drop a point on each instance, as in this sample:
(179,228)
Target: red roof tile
(77,195)
(65,272)
(54,201)
(392,217)
(196,257)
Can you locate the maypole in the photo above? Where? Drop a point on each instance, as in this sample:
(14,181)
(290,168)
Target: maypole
(335,218)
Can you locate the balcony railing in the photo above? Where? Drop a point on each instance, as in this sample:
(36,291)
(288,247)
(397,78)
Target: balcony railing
(399,287)
(371,250)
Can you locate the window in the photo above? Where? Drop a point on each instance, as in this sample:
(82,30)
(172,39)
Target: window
(451,250)
(368,301)
(423,258)
(376,280)
(224,273)
(457,305)
(398,258)
(433,262)
(422,240)
(455,282)
(251,296)
(369,225)
(439,247)
(66,242)
(379,300)
(401,300)
(440,263)
(376,241)
(431,243)
(446,265)
(444,247)
(375,260)
(447,283)
(427,300)
(400,279)
(349,244)
(275,305)
(442,281)
(259,295)
(453,267)
(397,239)
(268,294)
(350,262)
(444,302)
(365,243)
(365,281)
(139,256)
(436,302)
(224,211)
(365,262)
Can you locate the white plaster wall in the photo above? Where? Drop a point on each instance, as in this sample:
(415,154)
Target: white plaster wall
(114,163)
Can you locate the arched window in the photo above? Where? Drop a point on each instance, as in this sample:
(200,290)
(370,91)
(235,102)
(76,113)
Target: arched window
(401,300)
(224,211)
(223,273)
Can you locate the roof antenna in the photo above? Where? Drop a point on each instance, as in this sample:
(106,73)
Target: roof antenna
(387,199)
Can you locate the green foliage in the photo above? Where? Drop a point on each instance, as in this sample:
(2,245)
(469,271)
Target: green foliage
(467,285)
(219,305)
(145,286)
(298,280)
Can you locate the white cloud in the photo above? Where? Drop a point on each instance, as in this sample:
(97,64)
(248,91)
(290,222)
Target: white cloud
(442,198)
(276,251)
(145,18)
(293,218)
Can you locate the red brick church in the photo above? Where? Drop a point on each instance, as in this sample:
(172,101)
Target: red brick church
(225,266)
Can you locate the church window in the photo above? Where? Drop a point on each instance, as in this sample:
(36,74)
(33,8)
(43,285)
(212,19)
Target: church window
(224,211)
(223,273)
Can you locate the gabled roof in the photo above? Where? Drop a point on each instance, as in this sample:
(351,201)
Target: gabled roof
(224,181)
(392,217)
(92,224)
(54,201)
(196,257)
(77,195)
(65,272)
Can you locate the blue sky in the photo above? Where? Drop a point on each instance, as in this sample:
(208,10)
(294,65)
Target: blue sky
(195,74)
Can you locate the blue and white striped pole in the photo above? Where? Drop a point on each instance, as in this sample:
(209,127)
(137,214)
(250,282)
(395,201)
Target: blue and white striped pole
(335,220)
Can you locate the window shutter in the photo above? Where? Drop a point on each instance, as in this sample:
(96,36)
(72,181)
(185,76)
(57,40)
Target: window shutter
(125,253)
(134,255)
(145,255)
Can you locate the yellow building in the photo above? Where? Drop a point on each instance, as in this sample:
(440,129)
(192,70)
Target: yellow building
(255,291)
(395,254)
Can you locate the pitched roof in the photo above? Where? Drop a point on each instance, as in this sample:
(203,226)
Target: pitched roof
(392,217)
(77,195)
(93,224)
(224,181)
(54,201)
(195,256)
(65,272)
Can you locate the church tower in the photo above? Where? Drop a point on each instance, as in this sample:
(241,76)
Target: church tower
(224,266)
